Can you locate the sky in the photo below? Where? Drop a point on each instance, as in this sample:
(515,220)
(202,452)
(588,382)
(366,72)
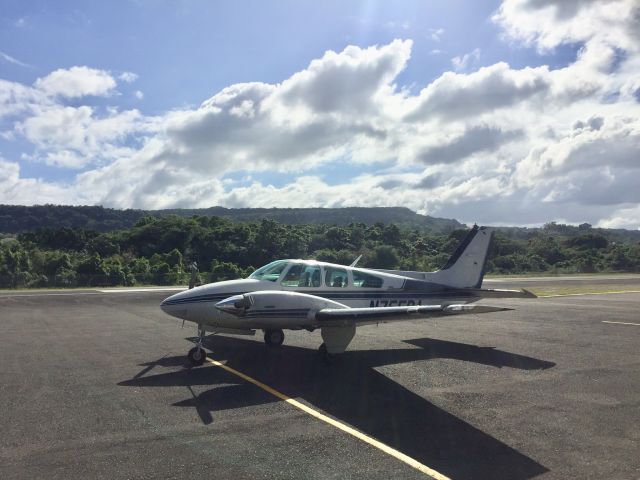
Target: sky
(513,112)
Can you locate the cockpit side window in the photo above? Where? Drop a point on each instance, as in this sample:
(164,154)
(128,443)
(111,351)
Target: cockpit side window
(335,277)
(365,280)
(270,272)
(300,275)
(293,276)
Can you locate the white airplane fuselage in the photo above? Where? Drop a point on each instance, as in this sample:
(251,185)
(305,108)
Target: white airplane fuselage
(198,304)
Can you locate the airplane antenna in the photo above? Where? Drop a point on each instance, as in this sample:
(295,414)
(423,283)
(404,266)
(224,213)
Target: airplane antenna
(354,263)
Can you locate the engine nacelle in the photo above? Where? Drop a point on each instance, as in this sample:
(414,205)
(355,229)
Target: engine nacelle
(272,303)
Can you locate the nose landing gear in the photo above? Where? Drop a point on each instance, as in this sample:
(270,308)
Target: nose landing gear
(197,355)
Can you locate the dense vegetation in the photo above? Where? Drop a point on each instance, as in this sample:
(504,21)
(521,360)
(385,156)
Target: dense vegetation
(19,218)
(158,250)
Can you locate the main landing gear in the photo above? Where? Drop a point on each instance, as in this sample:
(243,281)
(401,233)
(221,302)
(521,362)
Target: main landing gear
(197,355)
(273,338)
(324,354)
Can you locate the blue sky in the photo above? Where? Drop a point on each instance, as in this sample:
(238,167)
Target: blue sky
(186,51)
(142,70)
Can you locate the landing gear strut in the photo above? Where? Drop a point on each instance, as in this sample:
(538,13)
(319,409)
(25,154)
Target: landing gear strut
(273,338)
(197,355)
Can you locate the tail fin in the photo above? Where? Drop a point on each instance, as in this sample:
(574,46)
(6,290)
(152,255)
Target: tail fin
(465,268)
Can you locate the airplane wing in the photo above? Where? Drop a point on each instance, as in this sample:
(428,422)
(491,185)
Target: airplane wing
(363,316)
(337,322)
(320,312)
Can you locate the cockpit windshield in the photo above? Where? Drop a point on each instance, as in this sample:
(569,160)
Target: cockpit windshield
(270,272)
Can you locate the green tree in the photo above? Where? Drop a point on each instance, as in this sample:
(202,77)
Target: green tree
(548,248)
(341,257)
(384,256)
(224,271)
(589,240)
(174,258)
(103,246)
(161,273)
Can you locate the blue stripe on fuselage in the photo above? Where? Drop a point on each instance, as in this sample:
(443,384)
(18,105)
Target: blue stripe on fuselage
(396,296)
(210,297)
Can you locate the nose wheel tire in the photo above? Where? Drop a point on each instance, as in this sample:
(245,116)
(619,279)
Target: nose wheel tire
(273,338)
(197,356)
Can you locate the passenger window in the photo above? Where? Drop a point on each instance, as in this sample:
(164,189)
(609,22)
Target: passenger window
(365,280)
(314,275)
(335,277)
(302,276)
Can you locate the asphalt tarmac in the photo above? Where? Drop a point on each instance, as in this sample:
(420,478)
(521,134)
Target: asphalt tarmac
(94,385)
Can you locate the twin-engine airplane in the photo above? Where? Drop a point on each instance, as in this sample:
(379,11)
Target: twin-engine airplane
(306,294)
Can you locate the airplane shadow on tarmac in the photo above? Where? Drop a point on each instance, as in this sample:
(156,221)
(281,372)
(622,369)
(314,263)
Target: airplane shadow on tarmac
(351,390)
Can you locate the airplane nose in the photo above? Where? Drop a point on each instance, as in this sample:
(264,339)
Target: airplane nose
(167,302)
(172,306)
(236,305)
(164,305)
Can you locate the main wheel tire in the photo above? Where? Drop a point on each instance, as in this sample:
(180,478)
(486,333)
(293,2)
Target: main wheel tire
(273,338)
(197,356)
(325,356)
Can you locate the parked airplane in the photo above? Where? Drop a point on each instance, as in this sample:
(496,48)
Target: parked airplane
(307,294)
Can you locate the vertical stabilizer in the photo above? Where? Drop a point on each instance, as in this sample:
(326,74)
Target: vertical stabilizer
(465,268)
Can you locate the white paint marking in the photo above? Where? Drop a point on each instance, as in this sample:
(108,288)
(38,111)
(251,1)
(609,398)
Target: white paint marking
(622,323)
(47,294)
(137,290)
(94,292)
(559,279)
(587,293)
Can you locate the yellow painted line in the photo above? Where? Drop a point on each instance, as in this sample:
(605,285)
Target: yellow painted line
(622,323)
(331,421)
(588,293)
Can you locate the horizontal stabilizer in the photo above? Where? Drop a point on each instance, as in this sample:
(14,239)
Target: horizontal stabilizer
(501,293)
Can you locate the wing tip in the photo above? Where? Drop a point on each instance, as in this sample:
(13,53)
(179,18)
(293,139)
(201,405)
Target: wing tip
(474,309)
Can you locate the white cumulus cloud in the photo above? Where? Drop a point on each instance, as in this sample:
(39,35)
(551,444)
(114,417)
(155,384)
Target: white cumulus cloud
(128,77)
(77,82)
(549,23)
(26,191)
(495,144)
(462,62)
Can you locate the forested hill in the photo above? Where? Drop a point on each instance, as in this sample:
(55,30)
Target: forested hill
(18,219)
